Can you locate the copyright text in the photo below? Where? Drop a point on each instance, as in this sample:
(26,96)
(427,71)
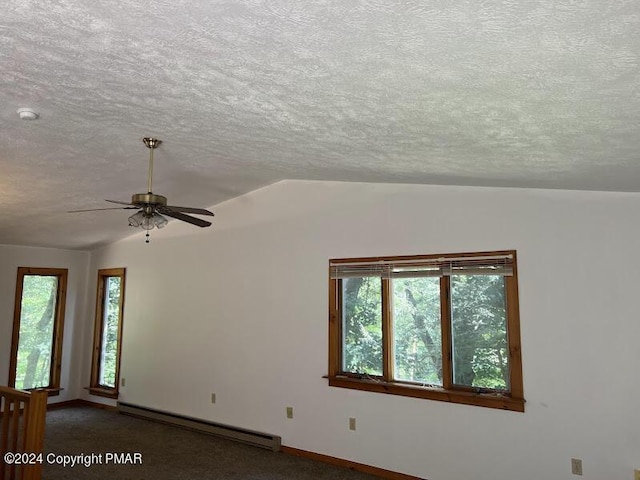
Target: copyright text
(83,459)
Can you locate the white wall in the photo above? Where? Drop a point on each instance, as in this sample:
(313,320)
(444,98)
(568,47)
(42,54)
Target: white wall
(240,309)
(12,257)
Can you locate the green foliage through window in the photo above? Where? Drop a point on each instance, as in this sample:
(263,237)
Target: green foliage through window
(110,324)
(417,331)
(362,325)
(37,318)
(479,333)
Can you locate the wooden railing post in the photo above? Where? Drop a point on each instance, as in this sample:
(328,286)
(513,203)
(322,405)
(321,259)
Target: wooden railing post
(35,419)
(23,423)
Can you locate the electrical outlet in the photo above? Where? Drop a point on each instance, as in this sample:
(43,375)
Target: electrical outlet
(289,412)
(213,398)
(636,474)
(352,423)
(576,466)
(122,382)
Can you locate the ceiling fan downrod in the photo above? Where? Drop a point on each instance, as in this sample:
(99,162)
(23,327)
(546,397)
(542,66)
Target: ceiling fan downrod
(149,199)
(151,143)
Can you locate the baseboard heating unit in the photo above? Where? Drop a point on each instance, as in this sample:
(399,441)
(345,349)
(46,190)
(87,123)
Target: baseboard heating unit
(258,439)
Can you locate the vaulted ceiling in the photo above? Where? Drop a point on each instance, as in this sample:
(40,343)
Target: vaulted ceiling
(243,93)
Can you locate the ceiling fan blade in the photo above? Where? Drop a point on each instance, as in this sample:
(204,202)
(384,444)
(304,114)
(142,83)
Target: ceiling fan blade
(187,218)
(99,209)
(119,202)
(197,211)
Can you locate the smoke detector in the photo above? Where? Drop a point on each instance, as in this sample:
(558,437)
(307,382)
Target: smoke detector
(27,114)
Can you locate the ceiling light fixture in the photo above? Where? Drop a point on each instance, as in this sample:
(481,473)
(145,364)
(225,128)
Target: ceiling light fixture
(147,219)
(151,208)
(27,114)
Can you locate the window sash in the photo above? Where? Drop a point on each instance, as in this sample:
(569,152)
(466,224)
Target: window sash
(55,362)
(97,386)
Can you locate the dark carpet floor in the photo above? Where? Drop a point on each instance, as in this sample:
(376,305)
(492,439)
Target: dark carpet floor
(167,452)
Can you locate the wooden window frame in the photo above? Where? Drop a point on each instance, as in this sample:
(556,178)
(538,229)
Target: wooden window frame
(58,325)
(512,400)
(95,387)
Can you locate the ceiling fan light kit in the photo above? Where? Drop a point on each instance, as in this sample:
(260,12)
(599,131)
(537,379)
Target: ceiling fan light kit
(152,207)
(147,222)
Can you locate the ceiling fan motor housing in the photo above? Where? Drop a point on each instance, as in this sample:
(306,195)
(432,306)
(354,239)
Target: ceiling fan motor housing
(148,199)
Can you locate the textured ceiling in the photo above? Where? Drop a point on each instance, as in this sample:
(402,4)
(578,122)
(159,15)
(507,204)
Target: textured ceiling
(246,92)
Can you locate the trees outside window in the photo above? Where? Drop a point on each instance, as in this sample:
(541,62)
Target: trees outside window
(442,327)
(105,368)
(38,323)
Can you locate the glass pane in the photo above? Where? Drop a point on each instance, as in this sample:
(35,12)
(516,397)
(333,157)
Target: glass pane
(416,330)
(362,325)
(479,331)
(110,324)
(35,345)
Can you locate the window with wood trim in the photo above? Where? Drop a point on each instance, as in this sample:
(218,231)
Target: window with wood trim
(105,364)
(441,327)
(38,324)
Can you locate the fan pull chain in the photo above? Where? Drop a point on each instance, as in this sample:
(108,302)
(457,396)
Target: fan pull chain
(147,240)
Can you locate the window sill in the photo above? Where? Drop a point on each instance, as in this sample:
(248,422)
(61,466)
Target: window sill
(51,392)
(102,392)
(489,400)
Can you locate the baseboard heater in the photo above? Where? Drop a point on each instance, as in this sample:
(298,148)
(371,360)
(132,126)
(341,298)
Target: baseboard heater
(250,437)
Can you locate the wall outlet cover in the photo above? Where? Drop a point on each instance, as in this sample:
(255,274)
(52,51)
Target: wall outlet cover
(352,423)
(576,466)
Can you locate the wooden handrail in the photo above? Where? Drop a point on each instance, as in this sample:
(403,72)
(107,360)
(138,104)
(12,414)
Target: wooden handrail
(23,416)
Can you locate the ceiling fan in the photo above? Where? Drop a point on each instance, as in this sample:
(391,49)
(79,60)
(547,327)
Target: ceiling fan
(152,207)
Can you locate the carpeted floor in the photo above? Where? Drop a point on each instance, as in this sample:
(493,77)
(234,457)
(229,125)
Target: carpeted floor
(167,452)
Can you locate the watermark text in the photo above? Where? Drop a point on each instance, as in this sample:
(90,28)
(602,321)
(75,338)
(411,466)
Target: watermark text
(82,459)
